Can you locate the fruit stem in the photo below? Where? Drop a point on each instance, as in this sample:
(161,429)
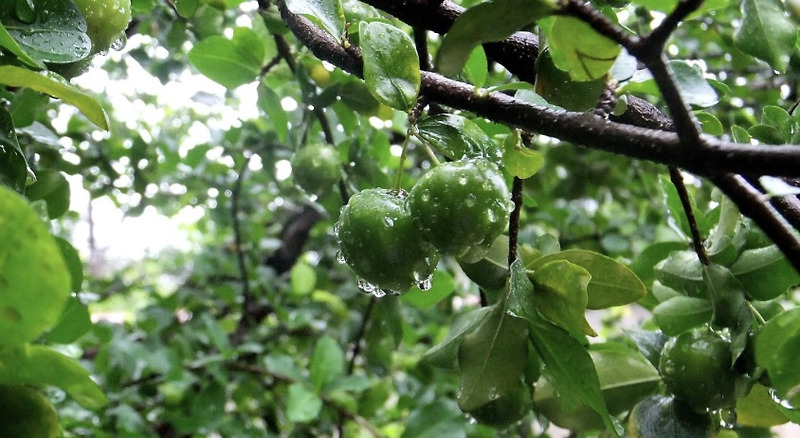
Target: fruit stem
(756,314)
(403,155)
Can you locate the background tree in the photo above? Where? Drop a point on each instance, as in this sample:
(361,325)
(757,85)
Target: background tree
(568,213)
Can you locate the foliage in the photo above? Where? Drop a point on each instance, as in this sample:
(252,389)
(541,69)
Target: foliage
(631,231)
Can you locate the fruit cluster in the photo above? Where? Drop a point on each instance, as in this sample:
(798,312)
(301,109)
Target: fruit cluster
(393,241)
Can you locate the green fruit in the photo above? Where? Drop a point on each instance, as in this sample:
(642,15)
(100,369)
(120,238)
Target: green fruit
(106,21)
(26,413)
(317,168)
(461,207)
(505,410)
(34,280)
(378,240)
(696,368)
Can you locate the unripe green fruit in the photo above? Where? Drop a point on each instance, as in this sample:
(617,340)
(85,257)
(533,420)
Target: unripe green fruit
(106,21)
(378,240)
(461,207)
(26,413)
(317,168)
(696,368)
(505,410)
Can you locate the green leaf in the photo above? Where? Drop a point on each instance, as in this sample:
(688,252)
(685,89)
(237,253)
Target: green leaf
(74,323)
(644,263)
(13,164)
(302,278)
(73,262)
(693,87)
(391,64)
(52,187)
(328,15)
(776,350)
(559,88)
(766,33)
(490,272)
(41,365)
(758,409)
(659,417)
(230,62)
(625,378)
(57,87)
(485,22)
(442,286)
(457,137)
(302,405)
(560,290)
(578,49)
(567,364)
(711,125)
(491,359)
(56,33)
(777,187)
(270,102)
(327,363)
(612,283)
(8,43)
(765,273)
(445,354)
(519,160)
(477,68)
(683,272)
(681,313)
(438,419)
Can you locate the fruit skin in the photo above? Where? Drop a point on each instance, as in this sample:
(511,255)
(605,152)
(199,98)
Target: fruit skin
(316,168)
(26,413)
(505,410)
(106,20)
(378,240)
(696,368)
(461,207)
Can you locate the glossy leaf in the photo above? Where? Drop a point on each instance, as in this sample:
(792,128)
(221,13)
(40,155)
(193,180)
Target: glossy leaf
(391,64)
(612,283)
(477,68)
(557,86)
(491,359)
(230,62)
(445,354)
(41,365)
(302,278)
(758,409)
(439,419)
(490,272)
(9,43)
(644,263)
(650,343)
(693,87)
(659,417)
(13,164)
(625,378)
(683,272)
(56,32)
(55,86)
(52,187)
(765,273)
(776,350)
(326,14)
(457,137)
(485,22)
(680,314)
(567,364)
(579,50)
(302,405)
(766,33)
(560,291)
(327,363)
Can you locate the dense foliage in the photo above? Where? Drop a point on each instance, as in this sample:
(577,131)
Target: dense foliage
(414,218)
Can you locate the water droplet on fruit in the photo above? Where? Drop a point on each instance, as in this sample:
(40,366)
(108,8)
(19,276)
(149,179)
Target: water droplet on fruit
(727,418)
(365,286)
(340,257)
(388,221)
(120,42)
(491,216)
(425,196)
(336,228)
(471,200)
(463,180)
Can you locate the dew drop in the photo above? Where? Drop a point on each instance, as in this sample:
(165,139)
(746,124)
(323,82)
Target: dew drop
(463,180)
(425,196)
(425,284)
(491,216)
(340,257)
(777,399)
(471,200)
(388,221)
(120,42)
(378,293)
(366,286)
(727,418)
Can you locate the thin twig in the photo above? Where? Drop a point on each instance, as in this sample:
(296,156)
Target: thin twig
(697,240)
(513,221)
(248,298)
